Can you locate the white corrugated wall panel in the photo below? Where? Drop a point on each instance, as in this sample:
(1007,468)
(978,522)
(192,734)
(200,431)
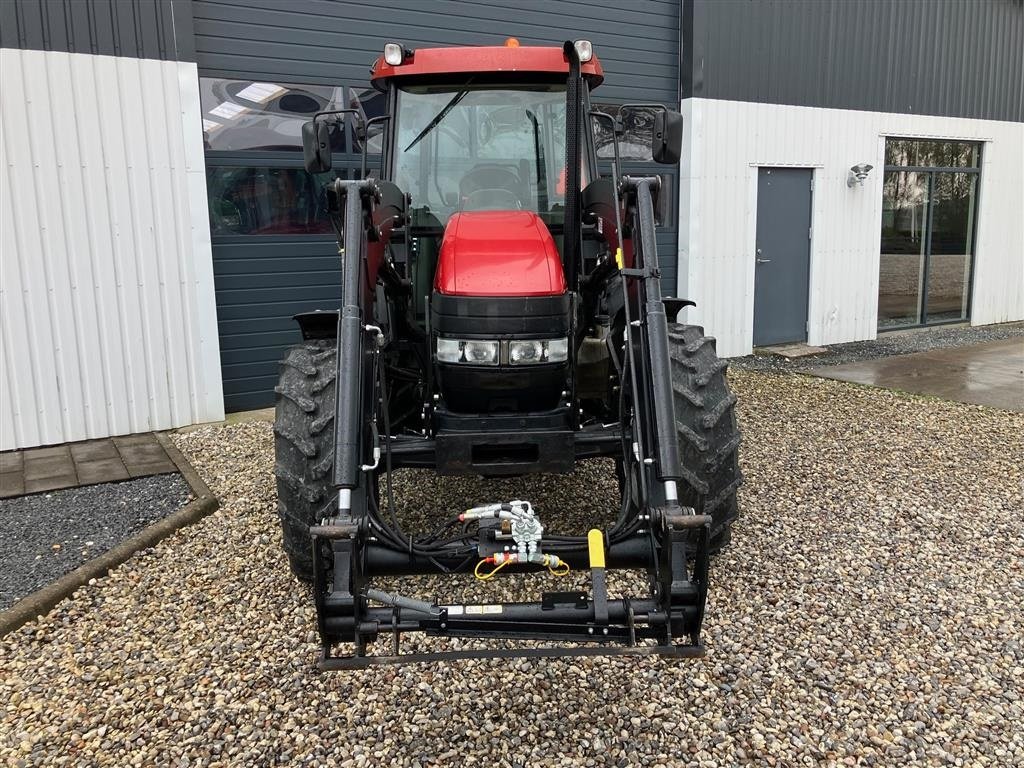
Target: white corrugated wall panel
(724,144)
(106,291)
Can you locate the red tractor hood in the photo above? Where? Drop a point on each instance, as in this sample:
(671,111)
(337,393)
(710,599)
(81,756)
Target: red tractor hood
(498,253)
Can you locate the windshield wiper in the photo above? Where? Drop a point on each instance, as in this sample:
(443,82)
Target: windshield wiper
(438,118)
(542,182)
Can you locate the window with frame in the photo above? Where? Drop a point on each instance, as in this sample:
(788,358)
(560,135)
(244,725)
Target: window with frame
(262,200)
(482,147)
(929,210)
(241,115)
(252,134)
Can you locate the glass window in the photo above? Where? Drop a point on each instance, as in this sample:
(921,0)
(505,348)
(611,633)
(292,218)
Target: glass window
(635,145)
(952,239)
(266,201)
(904,219)
(482,147)
(931,154)
(928,225)
(241,115)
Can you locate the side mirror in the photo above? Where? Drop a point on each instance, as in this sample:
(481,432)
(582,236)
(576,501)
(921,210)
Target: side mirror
(667,137)
(316,146)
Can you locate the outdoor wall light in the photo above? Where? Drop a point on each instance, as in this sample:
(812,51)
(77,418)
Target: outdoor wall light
(858,173)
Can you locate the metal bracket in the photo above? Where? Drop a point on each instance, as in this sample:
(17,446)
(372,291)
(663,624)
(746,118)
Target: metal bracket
(642,273)
(332,528)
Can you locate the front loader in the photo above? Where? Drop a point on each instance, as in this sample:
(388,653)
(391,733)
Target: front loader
(501,315)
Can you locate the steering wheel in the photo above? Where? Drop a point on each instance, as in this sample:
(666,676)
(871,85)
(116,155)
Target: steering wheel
(501,120)
(493,178)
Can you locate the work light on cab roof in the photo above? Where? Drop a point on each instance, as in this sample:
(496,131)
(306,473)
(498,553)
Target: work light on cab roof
(396,53)
(399,61)
(500,315)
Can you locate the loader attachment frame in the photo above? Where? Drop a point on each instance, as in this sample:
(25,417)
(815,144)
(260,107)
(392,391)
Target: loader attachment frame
(355,542)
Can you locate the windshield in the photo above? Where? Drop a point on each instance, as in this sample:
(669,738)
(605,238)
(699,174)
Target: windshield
(478,147)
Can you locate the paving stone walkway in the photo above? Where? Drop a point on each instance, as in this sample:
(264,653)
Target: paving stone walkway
(36,470)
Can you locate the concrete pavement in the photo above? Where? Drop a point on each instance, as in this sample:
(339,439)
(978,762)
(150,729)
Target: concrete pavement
(989,374)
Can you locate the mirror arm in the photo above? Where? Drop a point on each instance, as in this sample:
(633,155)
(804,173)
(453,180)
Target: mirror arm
(318,115)
(616,125)
(366,138)
(349,111)
(341,121)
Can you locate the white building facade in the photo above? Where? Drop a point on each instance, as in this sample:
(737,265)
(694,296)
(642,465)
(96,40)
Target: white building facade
(107,316)
(728,143)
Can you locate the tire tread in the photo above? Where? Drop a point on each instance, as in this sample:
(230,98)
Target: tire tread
(303,446)
(709,438)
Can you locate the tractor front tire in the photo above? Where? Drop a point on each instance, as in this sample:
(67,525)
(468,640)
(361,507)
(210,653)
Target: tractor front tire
(304,446)
(709,438)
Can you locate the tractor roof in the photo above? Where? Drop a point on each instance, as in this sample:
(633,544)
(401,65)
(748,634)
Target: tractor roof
(441,63)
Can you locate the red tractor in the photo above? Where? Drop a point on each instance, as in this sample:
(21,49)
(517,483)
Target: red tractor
(501,314)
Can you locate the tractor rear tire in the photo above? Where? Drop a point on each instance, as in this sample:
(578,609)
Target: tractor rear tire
(709,437)
(304,446)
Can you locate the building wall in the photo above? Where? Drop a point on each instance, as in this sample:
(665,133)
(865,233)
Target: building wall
(334,43)
(956,58)
(106,293)
(141,29)
(726,141)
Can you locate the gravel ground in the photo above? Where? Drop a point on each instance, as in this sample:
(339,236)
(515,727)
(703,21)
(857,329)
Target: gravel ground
(886,345)
(867,613)
(46,535)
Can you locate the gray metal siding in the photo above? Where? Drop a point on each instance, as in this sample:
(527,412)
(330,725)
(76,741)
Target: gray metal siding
(261,282)
(142,29)
(258,290)
(956,58)
(330,42)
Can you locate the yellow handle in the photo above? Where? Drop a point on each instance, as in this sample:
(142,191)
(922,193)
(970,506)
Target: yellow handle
(595,543)
(618,258)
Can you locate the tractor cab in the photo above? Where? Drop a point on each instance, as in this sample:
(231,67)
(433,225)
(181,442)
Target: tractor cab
(476,141)
(482,129)
(482,159)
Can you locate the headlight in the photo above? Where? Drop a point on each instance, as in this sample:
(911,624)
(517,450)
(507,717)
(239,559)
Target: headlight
(472,352)
(524,352)
(480,352)
(485,352)
(543,351)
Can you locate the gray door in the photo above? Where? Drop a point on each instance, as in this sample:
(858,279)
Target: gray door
(783,257)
